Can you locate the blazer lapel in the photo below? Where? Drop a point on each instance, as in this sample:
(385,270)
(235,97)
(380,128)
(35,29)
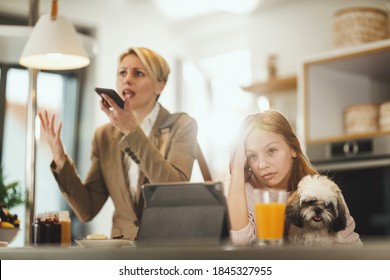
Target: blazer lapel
(159,140)
(120,172)
(161,131)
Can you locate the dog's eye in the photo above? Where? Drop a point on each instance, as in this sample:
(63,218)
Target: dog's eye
(328,205)
(309,202)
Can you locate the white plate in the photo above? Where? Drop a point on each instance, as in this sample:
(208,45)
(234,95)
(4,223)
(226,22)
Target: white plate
(106,243)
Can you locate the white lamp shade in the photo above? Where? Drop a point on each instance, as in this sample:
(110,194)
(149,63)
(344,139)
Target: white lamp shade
(54,45)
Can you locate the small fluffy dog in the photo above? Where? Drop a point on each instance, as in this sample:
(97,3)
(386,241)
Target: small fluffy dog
(315,213)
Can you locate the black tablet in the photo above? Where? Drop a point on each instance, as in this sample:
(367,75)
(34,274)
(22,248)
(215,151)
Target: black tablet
(183,214)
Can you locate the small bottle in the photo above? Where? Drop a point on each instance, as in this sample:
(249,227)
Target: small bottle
(65,223)
(35,231)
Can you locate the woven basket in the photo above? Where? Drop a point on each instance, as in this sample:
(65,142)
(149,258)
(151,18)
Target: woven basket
(384,116)
(362,118)
(353,26)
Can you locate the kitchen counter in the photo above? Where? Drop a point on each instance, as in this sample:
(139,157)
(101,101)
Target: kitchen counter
(371,250)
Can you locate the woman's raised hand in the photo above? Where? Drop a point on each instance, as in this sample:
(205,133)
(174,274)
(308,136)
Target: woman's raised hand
(52,135)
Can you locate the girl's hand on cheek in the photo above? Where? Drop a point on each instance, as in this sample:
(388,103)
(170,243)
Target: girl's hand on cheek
(239,158)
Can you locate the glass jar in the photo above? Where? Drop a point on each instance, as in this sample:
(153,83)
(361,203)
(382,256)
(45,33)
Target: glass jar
(46,230)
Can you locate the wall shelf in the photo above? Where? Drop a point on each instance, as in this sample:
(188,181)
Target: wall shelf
(274,85)
(335,80)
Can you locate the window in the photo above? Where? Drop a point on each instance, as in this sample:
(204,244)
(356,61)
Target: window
(54,93)
(213,96)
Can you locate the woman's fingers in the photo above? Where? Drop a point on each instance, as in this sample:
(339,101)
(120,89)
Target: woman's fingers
(111,103)
(128,104)
(48,125)
(58,131)
(52,133)
(47,119)
(51,127)
(42,121)
(122,118)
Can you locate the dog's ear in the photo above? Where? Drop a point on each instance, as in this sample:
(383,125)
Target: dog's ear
(340,222)
(293,211)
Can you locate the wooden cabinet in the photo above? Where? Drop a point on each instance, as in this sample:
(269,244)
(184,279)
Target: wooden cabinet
(274,85)
(338,79)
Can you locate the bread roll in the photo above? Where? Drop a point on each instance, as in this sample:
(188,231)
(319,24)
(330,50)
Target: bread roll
(97,236)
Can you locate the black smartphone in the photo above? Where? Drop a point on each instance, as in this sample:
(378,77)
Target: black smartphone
(112,94)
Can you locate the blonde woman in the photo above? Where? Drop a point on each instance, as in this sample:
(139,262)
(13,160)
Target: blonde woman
(142,143)
(267,155)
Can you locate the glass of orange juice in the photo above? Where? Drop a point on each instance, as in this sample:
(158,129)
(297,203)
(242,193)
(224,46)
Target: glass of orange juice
(270,208)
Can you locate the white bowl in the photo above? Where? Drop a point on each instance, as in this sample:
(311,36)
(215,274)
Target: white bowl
(8,234)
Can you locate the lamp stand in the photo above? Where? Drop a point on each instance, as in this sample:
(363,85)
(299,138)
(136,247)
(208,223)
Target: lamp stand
(30,139)
(31,153)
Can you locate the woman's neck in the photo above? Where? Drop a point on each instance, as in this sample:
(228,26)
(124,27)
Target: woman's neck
(141,113)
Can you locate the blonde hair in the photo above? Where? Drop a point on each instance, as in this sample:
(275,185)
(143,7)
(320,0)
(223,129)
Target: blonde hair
(155,64)
(274,121)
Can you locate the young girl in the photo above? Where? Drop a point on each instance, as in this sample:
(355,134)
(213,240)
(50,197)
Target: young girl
(267,155)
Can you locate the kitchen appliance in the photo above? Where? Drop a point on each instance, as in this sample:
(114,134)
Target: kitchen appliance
(361,168)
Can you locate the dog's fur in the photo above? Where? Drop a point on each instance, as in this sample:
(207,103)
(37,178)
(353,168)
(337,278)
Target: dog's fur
(315,212)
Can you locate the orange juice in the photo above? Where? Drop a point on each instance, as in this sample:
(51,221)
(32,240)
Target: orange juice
(65,233)
(65,223)
(270,220)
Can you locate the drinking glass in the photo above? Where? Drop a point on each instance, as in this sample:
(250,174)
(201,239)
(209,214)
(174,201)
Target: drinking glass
(270,208)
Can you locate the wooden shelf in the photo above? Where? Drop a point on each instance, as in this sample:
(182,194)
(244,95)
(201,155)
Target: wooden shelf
(348,137)
(273,85)
(335,80)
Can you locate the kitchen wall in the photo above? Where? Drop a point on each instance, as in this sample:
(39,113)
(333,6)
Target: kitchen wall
(292,29)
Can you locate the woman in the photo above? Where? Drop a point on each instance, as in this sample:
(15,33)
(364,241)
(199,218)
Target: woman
(268,155)
(143,143)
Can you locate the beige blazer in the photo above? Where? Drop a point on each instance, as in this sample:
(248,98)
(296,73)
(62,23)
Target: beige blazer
(166,156)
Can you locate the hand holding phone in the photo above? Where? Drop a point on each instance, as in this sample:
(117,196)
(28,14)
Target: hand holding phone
(112,94)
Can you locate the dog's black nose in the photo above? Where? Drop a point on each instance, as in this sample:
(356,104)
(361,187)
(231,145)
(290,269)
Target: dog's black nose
(318,210)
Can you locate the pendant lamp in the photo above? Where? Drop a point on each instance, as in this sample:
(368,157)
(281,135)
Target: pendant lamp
(54,45)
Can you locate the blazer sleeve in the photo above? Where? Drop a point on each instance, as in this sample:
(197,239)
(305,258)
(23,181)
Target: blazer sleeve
(86,199)
(176,165)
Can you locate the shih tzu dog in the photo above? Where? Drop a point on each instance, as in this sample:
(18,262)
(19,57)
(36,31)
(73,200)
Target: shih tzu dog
(315,212)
